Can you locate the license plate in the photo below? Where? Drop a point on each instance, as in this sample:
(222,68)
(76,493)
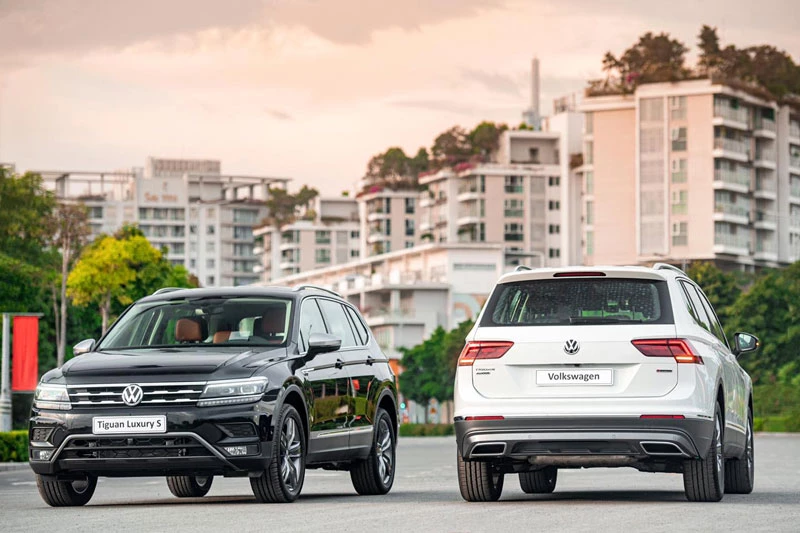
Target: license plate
(113,425)
(575,377)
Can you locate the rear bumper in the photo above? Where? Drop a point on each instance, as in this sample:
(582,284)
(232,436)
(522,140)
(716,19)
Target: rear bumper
(591,437)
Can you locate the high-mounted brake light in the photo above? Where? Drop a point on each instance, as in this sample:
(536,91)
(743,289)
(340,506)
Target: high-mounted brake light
(680,349)
(483,350)
(579,274)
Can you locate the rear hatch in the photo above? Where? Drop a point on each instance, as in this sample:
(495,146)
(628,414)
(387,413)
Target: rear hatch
(572,338)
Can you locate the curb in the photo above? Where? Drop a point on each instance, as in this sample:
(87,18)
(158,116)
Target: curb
(775,434)
(10,467)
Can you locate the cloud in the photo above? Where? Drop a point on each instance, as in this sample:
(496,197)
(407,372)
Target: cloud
(500,83)
(278,114)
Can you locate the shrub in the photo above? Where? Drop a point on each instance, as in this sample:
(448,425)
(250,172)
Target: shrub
(14,446)
(426,430)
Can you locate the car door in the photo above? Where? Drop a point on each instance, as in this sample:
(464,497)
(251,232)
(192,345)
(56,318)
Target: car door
(327,387)
(355,355)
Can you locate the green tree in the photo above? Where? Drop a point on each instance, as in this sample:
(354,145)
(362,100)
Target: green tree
(485,138)
(710,53)
(25,205)
(722,289)
(654,58)
(284,207)
(451,350)
(421,377)
(451,147)
(769,310)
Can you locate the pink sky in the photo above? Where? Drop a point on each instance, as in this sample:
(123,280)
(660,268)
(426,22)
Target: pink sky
(309,89)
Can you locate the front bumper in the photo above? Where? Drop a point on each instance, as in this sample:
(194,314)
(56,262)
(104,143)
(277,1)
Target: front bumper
(194,442)
(588,437)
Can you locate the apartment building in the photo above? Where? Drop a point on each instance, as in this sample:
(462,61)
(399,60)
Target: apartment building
(203,218)
(329,235)
(526,199)
(693,170)
(389,219)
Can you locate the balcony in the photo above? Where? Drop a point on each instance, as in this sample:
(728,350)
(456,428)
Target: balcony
(766,188)
(728,116)
(427,201)
(377,236)
(767,221)
(794,222)
(735,213)
(735,180)
(794,193)
(732,149)
(765,128)
(726,243)
(794,164)
(289,245)
(377,214)
(794,131)
(765,250)
(288,263)
(469,196)
(765,158)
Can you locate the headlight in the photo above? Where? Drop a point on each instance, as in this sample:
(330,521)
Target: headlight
(51,397)
(232,392)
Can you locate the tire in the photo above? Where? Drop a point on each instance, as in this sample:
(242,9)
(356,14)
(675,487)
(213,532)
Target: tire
(478,482)
(283,480)
(375,475)
(189,486)
(740,473)
(539,481)
(66,493)
(704,479)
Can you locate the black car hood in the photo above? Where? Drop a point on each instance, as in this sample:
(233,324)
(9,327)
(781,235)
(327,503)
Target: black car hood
(180,363)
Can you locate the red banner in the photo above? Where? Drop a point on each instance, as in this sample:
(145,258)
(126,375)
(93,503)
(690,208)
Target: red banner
(25,340)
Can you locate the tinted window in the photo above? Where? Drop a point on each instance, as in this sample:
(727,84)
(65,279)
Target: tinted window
(361,329)
(697,311)
(338,323)
(716,327)
(554,302)
(310,322)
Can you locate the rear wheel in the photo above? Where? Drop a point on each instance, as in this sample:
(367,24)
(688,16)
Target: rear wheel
(704,479)
(478,481)
(282,481)
(539,481)
(189,486)
(375,475)
(740,473)
(66,493)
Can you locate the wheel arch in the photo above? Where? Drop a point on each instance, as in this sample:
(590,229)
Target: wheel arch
(387,402)
(293,395)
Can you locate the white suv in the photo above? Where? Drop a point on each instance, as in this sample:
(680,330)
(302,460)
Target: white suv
(602,367)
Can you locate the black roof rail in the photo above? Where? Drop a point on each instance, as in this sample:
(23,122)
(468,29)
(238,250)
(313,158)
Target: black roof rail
(666,266)
(167,289)
(521,268)
(315,287)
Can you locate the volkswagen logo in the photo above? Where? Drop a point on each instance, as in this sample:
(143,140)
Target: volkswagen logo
(132,395)
(572,347)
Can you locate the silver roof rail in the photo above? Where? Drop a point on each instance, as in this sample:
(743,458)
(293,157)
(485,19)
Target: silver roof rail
(315,287)
(167,289)
(666,266)
(521,268)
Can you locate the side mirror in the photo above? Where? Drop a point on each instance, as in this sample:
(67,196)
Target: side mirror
(323,343)
(83,347)
(744,342)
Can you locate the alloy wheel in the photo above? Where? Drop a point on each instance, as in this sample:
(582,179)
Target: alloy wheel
(385,452)
(291,455)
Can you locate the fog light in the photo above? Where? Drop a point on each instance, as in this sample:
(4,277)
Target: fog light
(235,450)
(42,455)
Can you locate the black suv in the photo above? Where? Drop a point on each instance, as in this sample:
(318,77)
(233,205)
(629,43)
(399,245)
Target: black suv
(262,382)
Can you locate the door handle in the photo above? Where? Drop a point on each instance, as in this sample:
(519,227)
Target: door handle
(339,364)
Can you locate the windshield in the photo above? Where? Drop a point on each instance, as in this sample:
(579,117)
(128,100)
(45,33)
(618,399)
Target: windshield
(202,322)
(579,301)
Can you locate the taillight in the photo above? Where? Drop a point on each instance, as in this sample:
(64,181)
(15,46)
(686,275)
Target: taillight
(492,417)
(679,349)
(483,350)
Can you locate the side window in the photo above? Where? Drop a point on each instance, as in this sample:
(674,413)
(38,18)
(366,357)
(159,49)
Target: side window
(716,327)
(310,322)
(361,329)
(338,322)
(697,310)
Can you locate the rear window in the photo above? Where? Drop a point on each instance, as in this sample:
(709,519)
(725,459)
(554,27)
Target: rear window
(571,301)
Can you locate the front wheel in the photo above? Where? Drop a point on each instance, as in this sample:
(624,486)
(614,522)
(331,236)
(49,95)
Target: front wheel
(67,493)
(478,482)
(282,481)
(539,481)
(740,473)
(704,479)
(375,475)
(189,486)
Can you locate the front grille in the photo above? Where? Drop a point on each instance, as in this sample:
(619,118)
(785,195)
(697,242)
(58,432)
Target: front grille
(133,448)
(110,395)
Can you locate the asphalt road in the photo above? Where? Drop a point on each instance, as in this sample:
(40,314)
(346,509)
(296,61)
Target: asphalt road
(425,497)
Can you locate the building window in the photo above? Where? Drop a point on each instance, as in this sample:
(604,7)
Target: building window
(192,263)
(388,205)
(679,170)
(242,232)
(409,206)
(210,230)
(680,202)
(554,229)
(680,233)
(589,178)
(514,208)
(554,205)
(409,244)
(513,184)
(322,237)
(354,234)
(210,263)
(210,280)
(513,231)
(322,255)
(554,252)
(677,106)
(211,247)
(678,139)
(211,212)
(589,243)
(554,181)
(588,153)
(354,254)
(409,227)
(590,212)
(387,225)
